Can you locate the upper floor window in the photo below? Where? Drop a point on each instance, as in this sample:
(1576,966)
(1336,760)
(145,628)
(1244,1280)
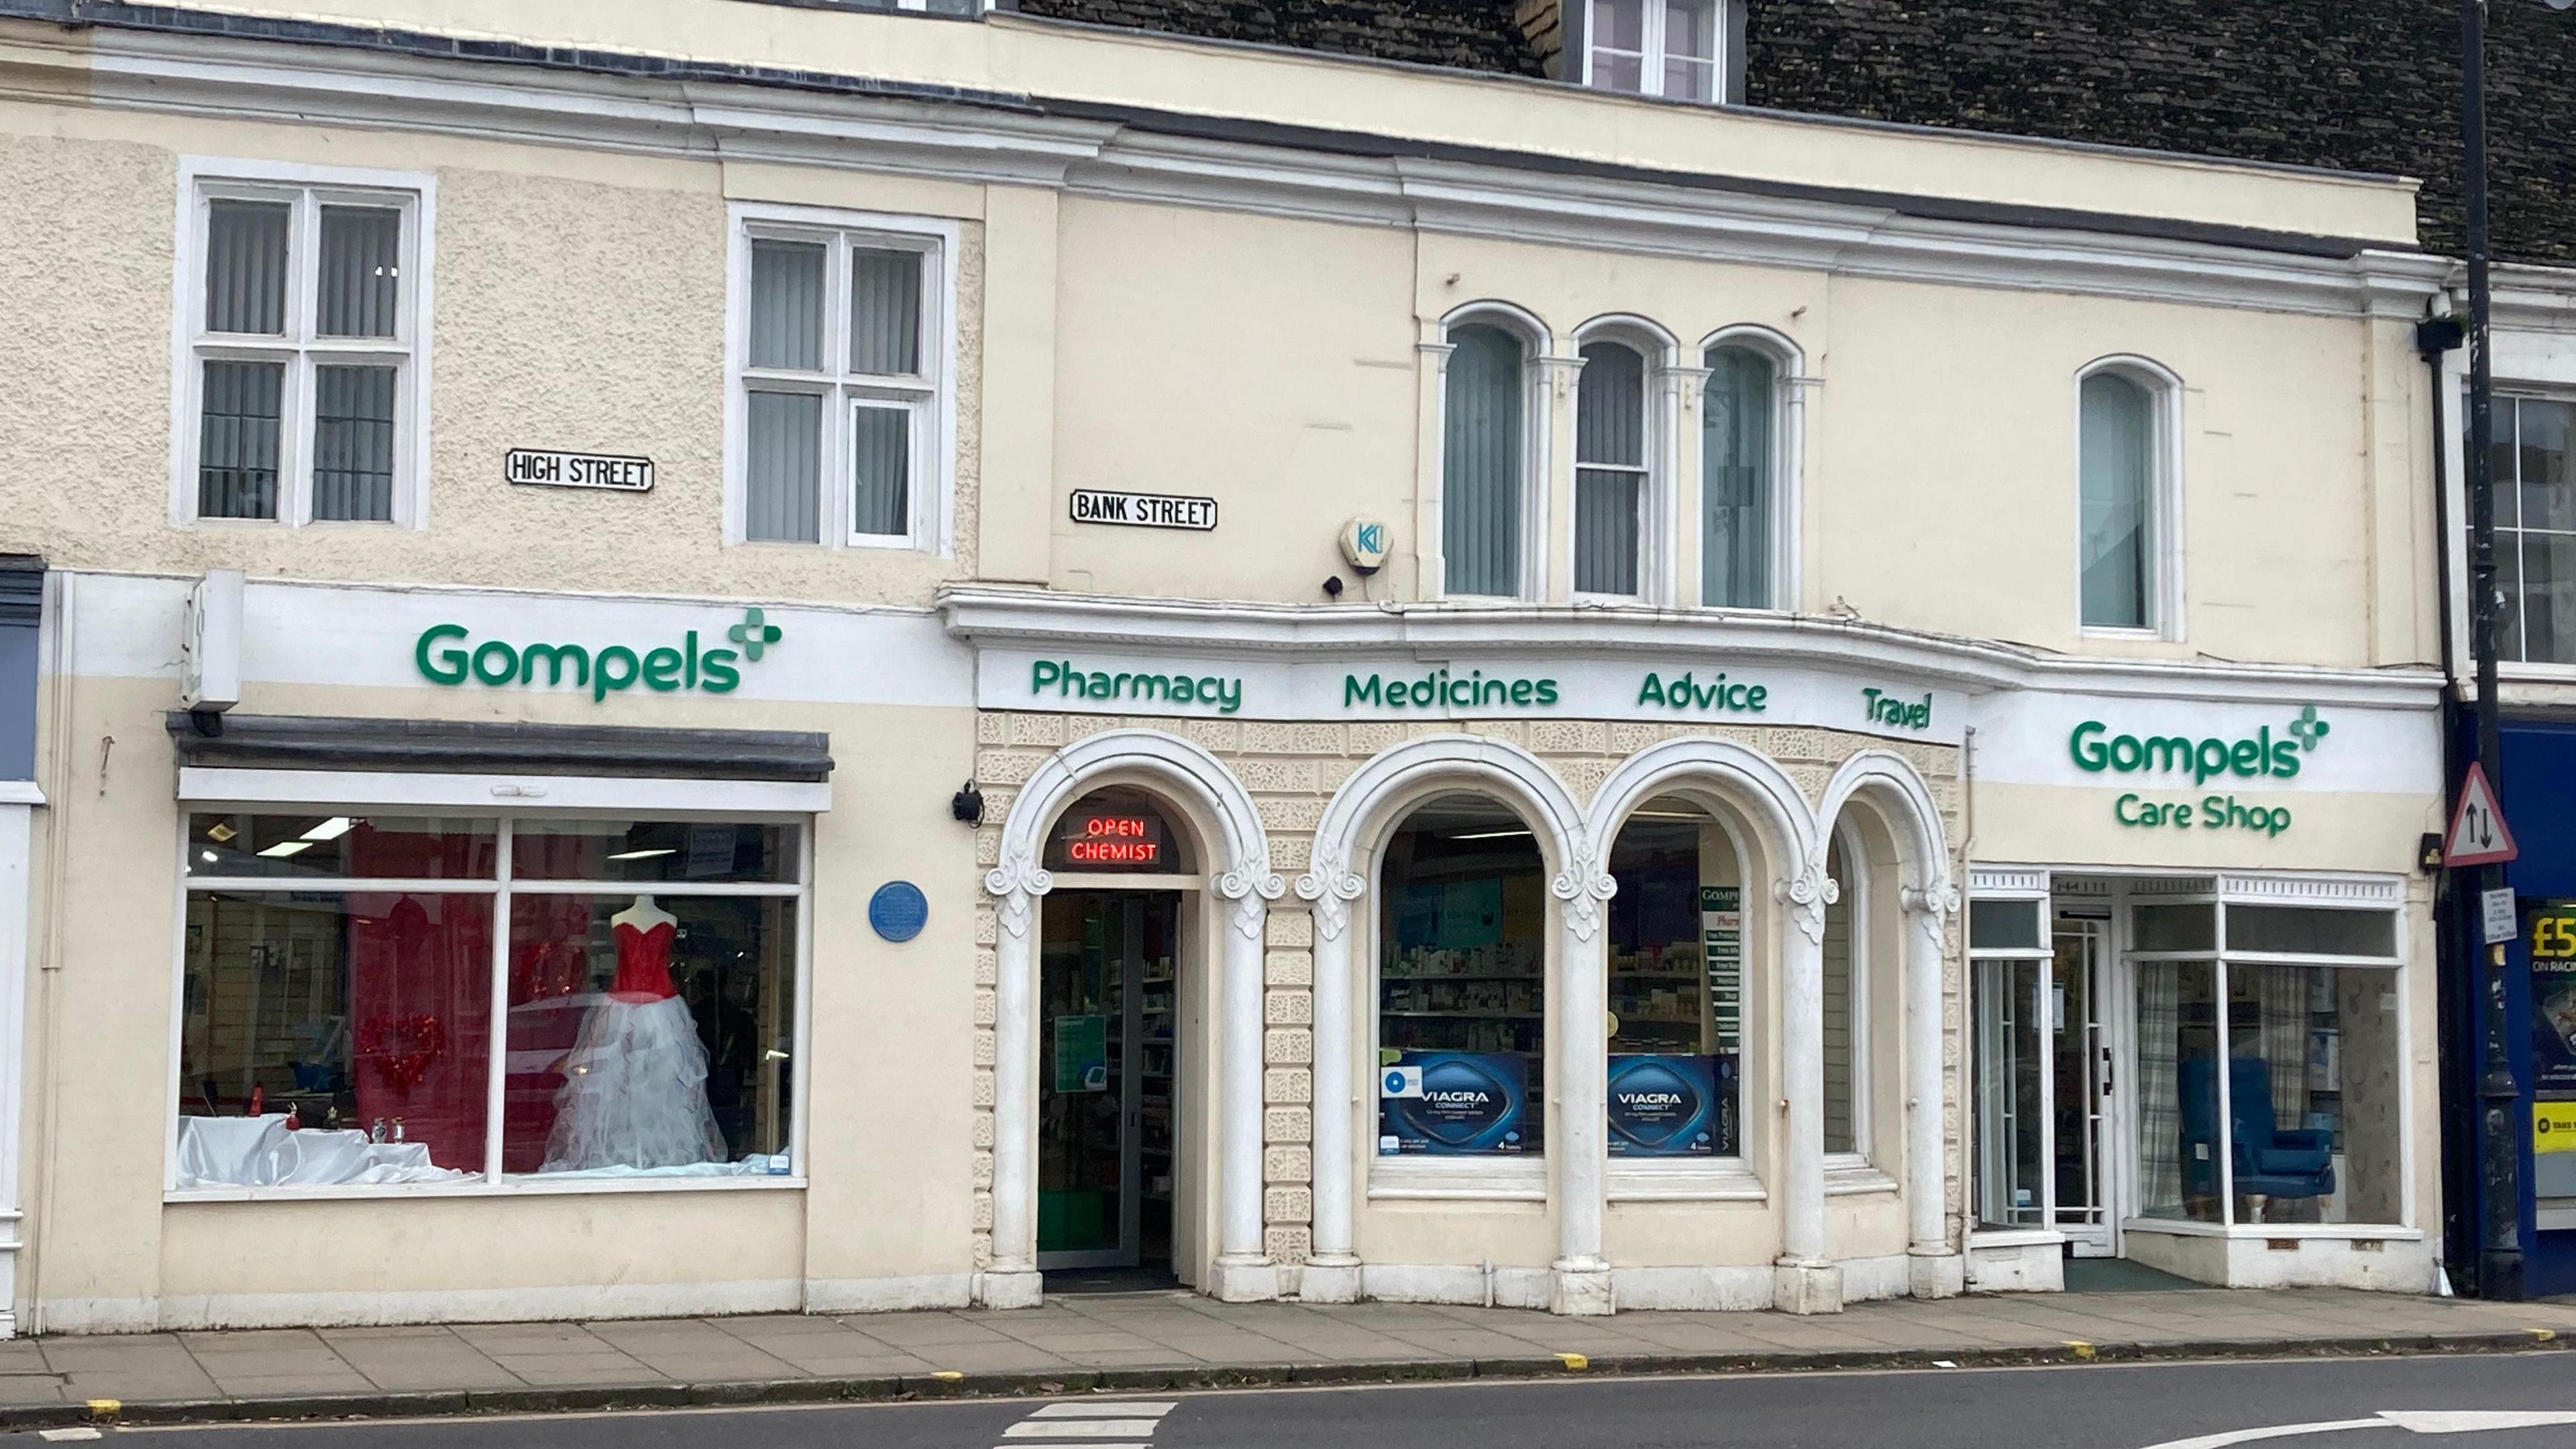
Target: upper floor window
(1484,461)
(302,367)
(1610,470)
(2125,457)
(1739,479)
(1665,48)
(2534,462)
(840,380)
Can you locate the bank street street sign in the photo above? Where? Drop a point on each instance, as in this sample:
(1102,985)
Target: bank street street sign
(2478,833)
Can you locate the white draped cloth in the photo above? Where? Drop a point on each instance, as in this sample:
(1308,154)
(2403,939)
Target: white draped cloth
(262,1152)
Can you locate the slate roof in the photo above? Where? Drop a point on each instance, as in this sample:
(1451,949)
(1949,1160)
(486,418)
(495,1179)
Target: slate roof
(2362,85)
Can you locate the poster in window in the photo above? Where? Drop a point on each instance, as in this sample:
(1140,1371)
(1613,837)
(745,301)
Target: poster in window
(1663,1105)
(1453,1104)
(1082,1054)
(2549,928)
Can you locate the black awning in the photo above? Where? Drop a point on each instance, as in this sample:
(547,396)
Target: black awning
(495,747)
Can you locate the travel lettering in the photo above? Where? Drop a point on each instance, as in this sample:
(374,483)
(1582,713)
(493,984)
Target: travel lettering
(1880,707)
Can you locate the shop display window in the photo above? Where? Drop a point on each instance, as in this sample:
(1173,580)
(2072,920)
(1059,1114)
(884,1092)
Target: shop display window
(1676,941)
(335,1035)
(1846,1013)
(1462,983)
(2295,1120)
(2013,1055)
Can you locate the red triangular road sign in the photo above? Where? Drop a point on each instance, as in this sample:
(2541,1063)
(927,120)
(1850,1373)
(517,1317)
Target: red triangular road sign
(2478,834)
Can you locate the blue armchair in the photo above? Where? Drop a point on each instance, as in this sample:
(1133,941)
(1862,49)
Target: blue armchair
(2269,1161)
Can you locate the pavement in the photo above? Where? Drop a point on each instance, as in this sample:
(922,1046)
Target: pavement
(1171,1341)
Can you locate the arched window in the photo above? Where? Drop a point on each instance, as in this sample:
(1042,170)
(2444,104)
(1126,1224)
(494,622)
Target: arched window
(1739,479)
(2124,460)
(1676,960)
(1610,469)
(1846,1012)
(1482,468)
(1462,984)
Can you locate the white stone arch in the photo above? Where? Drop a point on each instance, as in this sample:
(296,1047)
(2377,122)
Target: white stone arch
(1236,854)
(1887,785)
(1793,847)
(1356,823)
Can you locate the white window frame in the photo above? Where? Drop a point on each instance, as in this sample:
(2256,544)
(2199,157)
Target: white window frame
(492,1181)
(2164,498)
(1652,57)
(1657,495)
(1855,1168)
(929,396)
(1788,460)
(1537,434)
(205,179)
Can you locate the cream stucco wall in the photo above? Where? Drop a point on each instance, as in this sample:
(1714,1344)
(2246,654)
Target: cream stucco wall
(886,1209)
(1266,360)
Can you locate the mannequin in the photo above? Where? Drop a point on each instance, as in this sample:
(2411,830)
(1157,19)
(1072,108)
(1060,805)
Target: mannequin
(635,1082)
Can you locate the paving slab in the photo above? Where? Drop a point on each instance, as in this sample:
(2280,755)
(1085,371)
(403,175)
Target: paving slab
(1198,1342)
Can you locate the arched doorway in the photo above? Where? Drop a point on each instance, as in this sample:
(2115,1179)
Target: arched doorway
(1114,1008)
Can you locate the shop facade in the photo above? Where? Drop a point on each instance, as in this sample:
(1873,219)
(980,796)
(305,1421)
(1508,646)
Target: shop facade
(2533,464)
(1035,690)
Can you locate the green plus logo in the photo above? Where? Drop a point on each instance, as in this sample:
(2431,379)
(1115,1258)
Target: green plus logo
(446,656)
(756,633)
(2095,749)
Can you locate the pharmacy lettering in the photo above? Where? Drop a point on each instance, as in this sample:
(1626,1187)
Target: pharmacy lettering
(1071,681)
(445,657)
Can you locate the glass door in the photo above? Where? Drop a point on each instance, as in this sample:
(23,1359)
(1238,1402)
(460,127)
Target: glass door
(1108,1060)
(2080,1114)
(2046,1156)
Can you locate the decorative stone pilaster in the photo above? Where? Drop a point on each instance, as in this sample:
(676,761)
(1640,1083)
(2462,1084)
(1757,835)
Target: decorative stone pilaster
(1932,1269)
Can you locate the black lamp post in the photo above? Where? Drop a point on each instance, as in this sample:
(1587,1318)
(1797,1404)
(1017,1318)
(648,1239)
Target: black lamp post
(2500,1152)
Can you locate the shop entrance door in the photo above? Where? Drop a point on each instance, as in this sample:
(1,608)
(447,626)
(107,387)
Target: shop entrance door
(2083,1144)
(1108,1073)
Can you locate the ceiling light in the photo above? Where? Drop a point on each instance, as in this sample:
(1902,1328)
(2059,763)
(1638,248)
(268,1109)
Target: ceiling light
(642,854)
(285,848)
(210,856)
(331,829)
(219,832)
(1489,835)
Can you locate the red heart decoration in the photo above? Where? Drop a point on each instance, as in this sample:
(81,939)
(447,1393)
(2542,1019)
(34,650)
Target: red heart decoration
(403,1047)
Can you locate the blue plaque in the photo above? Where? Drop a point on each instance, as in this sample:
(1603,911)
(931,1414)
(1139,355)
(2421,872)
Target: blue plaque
(898,910)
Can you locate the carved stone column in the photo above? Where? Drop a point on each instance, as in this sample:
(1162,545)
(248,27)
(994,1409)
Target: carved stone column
(1578,1075)
(1012,1280)
(1805,1279)
(1333,1272)
(1244,1272)
(1932,1269)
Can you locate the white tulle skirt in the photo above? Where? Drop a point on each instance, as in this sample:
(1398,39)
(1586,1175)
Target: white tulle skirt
(634,1092)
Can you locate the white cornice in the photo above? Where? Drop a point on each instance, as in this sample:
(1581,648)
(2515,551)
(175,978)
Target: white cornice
(1029,618)
(1011,141)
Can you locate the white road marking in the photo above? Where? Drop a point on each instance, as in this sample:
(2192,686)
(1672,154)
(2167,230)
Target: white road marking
(2413,1421)
(1081,1429)
(1106,1411)
(58,1436)
(2277,1431)
(2472,1421)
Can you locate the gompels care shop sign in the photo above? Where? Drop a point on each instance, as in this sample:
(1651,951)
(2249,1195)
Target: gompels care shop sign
(449,654)
(2098,749)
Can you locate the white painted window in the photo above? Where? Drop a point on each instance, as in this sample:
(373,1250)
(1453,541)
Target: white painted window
(1613,471)
(2534,461)
(1667,48)
(1493,435)
(1847,1026)
(299,344)
(379,1003)
(2129,569)
(841,398)
(1748,439)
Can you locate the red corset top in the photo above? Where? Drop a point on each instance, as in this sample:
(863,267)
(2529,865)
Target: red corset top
(643,962)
